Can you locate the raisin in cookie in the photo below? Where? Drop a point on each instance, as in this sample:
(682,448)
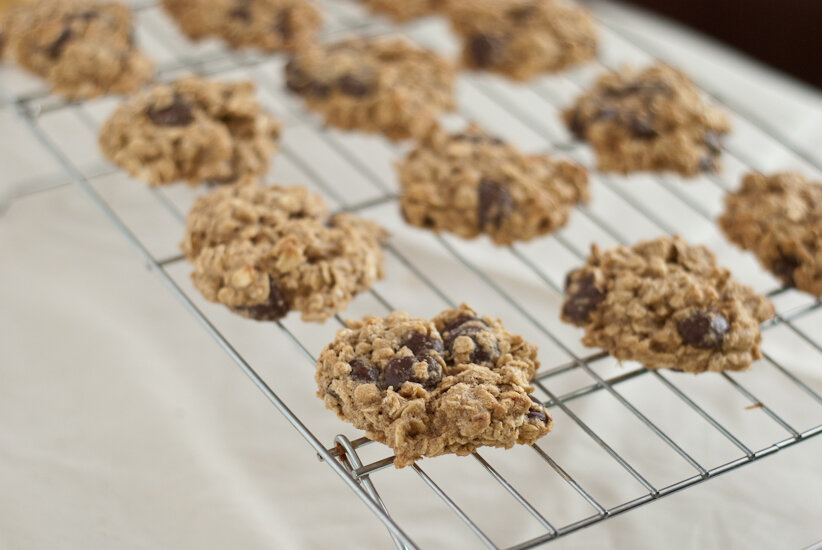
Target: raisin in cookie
(192,130)
(780,219)
(667,305)
(471,183)
(265,250)
(523,38)
(651,120)
(426,388)
(404,10)
(270,25)
(373,85)
(83,48)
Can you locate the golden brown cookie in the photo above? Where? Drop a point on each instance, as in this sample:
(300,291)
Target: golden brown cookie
(471,183)
(667,305)
(653,120)
(430,387)
(779,218)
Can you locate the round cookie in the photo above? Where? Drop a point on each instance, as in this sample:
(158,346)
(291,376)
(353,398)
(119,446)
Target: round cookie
(523,38)
(651,120)
(373,85)
(270,25)
(779,218)
(427,388)
(192,130)
(83,48)
(471,183)
(404,10)
(666,305)
(265,250)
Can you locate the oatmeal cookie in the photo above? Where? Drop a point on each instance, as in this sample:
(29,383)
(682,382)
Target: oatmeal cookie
(404,10)
(667,305)
(83,48)
(373,85)
(779,218)
(523,38)
(430,387)
(192,130)
(651,120)
(265,250)
(270,25)
(470,183)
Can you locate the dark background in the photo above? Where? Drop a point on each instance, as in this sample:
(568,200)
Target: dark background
(786,34)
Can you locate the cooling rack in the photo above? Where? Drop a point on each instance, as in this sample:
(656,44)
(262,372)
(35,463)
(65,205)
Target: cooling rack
(769,408)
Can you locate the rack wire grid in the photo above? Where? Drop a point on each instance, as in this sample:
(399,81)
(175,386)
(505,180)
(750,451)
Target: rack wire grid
(594,400)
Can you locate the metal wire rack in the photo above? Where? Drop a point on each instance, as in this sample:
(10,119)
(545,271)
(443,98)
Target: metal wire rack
(571,376)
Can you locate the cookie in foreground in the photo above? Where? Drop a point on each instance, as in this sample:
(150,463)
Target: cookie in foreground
(270,25)
(83,48)
(263,251)
(193,130)
(471,183)
(666,304)
(779,218)
(426,387)
(383,85)
(650,120)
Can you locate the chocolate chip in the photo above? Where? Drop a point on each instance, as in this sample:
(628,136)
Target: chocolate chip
(241,11)
(420,344)
(784,268)
(283,25)
(178,113)
(711,140)
(360,370)
(577,125)
(583,297)
(470,327)
(495,204)
(353,86)
(521,14)
(704,329)
(274,308)
(55,49)
(485,50)
(607,113)
(537,414)
(479,139)
(642,126)
(459,321)
(401,370)
(707,163)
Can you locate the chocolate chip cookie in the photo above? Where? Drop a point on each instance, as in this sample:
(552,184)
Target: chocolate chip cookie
(667,305)
(471,183)
(192,130)
(270,25)
(83,48)
(265,250)
(523,38)
(651,120)
(430,387)
(404,10)
(779,218)
(373,85)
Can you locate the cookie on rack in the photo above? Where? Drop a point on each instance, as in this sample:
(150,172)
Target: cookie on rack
(193,130)
(523,38)
(263,251)
(270,25)
(83,48)
(654,120)
(404,10)
(471,182)
(666,304)
(432,387)
(779,218)
(374,85)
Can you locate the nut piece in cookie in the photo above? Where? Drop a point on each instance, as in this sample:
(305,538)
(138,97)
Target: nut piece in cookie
(666,305)
(83,48)
(523,38)
(404,10)
(265,250)
(470,183)
(192,130)
(270,25)
(430,387)
(652,120)
(779,218)
(373,85)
